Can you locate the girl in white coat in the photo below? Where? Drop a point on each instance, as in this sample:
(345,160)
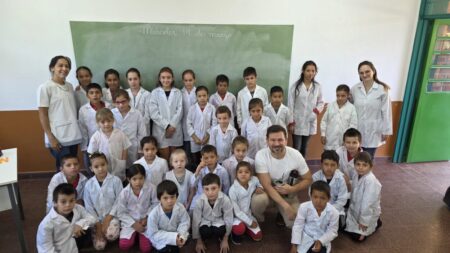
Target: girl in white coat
(139,97)
(131,122)
(66,223)
(155,166)
(363,215)
(112,84)
(100,194)
(135,202)
(189,99)
(339,116)
(316,224)
(84,77)
(166,111)
(183,178)
(305,102)
(373,106)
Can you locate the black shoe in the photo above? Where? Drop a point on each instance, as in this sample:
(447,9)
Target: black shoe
(236,239)
(280,221)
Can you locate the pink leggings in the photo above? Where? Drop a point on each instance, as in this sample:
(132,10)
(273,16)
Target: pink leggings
(144,243)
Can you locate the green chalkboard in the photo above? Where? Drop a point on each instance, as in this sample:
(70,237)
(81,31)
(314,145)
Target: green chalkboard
(207,49)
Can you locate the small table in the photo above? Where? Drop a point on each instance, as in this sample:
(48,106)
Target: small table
(8,178)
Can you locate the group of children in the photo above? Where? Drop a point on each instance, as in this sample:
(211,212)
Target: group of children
(211,180)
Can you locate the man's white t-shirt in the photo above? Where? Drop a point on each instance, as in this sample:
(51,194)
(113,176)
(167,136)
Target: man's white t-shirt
(279,169)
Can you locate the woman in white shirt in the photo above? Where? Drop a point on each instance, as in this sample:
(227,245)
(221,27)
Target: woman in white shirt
(373,108)
(58,111)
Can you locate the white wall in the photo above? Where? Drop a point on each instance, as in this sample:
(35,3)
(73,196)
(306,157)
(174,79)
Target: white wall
(336,34)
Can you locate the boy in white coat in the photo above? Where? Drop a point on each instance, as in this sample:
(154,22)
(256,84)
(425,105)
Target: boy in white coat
(255,127)
(240,150)
(100,194)
(339,116)
(200,119)
(347,153)
(223,134)
(363,215)
(278,113)
(223,96)
(155,166)
(251,90)
(63,227)
(168,223)
(316,224)
(213,215)
(70,173)
(131,122)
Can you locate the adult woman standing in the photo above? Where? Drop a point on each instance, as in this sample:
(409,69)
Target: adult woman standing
(58,112)
(373,107)
(305,102)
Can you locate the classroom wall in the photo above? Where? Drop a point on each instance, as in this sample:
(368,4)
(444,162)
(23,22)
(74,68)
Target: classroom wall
(337,34)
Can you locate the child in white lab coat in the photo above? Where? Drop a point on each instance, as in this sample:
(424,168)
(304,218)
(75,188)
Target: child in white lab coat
(86,119)
(241,193)
(363,215)
(65,227)
(168,223)
(223,134)
(70,173)
(140,97)
(201,117)
(213,215)
(240,149)
(317,221)
(84,77)
(255,127)
(189,99)
(277,112)
(223,97)
(166,111)
(305,102)
(209,165)
(182,177)
(330,174)
(112,84)
(135,202)
(339,116)
(347,153)
(110,141)
(130,121)
(251,90)
(100,195)
(155,166)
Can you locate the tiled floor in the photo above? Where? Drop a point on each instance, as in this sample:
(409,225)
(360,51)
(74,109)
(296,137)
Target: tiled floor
(414,217)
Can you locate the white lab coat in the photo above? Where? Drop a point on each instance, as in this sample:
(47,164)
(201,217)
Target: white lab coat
(140,102)
(229,101)
(200,122)
(197,181)
(374,113)
(365,206)
(134,127)
(154,172)
(309,226)
(88,123)
(244,97)
(131,208)
(347,167)
(162,231)
(241,199)
(107,96)
(189,99)
(231,163)
(283,117)
(112,147)
(338,189)
(55,232)
(255,134)
(164,112)
(222,141)
(219,215)
(184,187)
(335,122)
(60,178)
(99,200)
(302,103)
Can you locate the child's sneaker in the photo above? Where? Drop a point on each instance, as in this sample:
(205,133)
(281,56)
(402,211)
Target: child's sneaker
(236,239)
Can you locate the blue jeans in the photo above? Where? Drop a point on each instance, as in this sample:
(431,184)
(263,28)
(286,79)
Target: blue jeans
(65,150)
(300,142)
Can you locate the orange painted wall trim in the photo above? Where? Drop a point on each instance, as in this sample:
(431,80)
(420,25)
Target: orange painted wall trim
(22,129)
